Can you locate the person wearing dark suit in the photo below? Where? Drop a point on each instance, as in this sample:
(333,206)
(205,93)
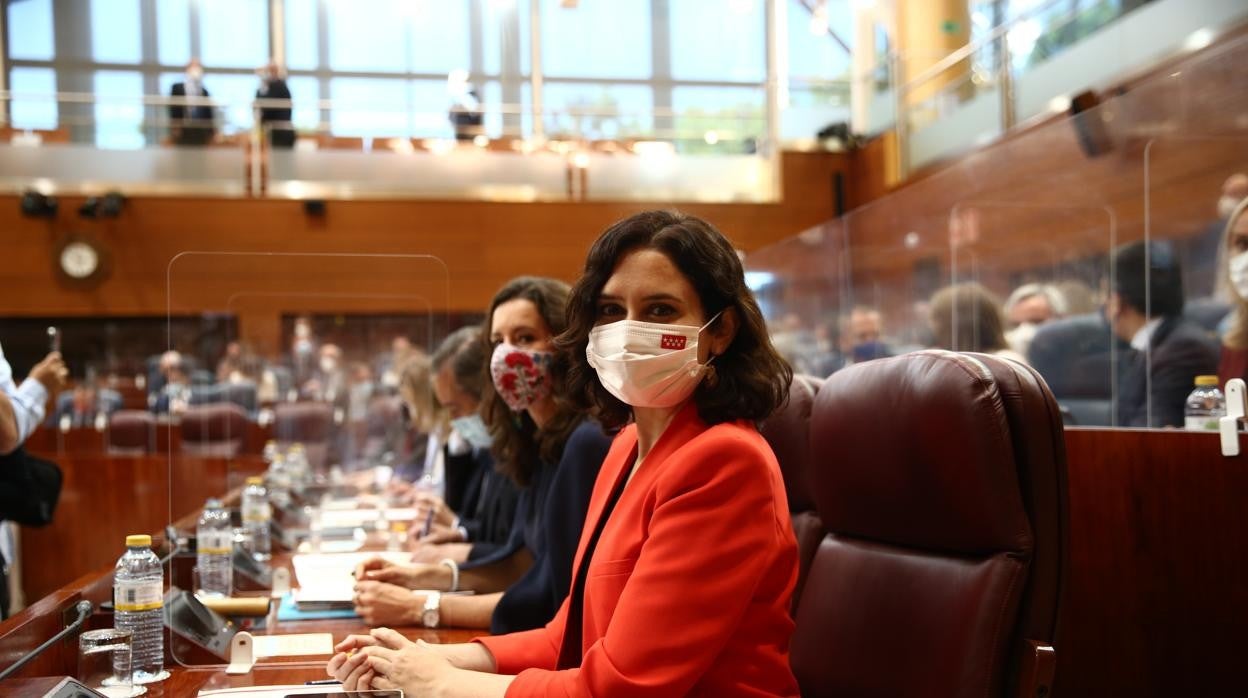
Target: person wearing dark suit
(686,565)
(275,119)
(193,124)
(1167,352)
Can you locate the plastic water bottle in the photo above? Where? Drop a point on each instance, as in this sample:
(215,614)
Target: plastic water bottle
(256,517)
(1205,406)
(215,541)
(139,606)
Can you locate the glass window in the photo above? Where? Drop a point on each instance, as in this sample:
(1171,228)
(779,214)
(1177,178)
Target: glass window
(115,31)
(495,40)
(119,109)
(30,30)
(439,36)
(430,104)
(304,92)
(731,114)
(375,40)
(715,40)
(817,55)
(597,110)
(173,32)
(233,95)
(234,33)
(30,111)
(368,107)
(597,39)
(301,34)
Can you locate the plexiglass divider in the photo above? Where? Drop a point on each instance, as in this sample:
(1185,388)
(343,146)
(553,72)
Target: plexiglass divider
(1077,247)
(315,388)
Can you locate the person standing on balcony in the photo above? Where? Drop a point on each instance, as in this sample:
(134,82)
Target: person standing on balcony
(275,118)
(191,124)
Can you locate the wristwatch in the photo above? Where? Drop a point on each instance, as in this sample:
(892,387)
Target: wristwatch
(432,612)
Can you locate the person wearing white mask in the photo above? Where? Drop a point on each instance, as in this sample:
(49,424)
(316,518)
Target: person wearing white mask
(687,561)
(1234,360)
(191,123)
(549,450)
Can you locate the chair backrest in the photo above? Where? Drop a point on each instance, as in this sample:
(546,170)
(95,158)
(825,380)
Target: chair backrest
(307,423)
(131,432)
(788,433)
(241,394)
(941,481)
(218,430)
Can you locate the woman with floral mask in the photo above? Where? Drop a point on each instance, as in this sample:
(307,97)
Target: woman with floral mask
(687,561)
(1234,362)
(547,448)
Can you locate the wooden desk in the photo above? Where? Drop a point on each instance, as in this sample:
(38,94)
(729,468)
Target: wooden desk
(52,443)
(105,498)
(28,629)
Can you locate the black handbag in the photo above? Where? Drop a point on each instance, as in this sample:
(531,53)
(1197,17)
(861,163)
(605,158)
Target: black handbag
(29,488)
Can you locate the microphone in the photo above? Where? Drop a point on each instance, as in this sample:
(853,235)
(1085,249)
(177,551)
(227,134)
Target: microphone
(83,608)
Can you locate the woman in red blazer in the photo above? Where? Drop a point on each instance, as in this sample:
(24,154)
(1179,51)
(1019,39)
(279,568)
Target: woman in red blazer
(687,560)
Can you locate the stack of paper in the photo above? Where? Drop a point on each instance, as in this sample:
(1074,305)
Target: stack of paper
(327,581)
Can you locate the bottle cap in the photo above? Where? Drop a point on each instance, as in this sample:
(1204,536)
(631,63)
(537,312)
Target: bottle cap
(400,527)
(1207,380)
(139,541)
(255,480)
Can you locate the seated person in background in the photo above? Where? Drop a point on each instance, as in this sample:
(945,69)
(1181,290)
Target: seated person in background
(191,124)
(1145,308)
(476,514)
(548,448)
(329,382)
(1200,253)
(388,364)
(967,317)
(84,405)
(688,560)
(230,367)
(1234,362)
(861,335)
(1028,307)
(175,395)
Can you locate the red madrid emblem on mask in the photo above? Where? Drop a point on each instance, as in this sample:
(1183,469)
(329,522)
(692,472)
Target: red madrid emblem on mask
(672,341)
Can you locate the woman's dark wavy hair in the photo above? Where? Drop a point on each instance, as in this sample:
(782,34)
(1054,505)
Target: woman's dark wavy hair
(519,446)
(752,378)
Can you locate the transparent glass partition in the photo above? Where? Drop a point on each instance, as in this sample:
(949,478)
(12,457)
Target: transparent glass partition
(800,285)
(317,386)
(1027,281)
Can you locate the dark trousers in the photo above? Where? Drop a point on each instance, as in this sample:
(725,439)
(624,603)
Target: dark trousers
(4,588)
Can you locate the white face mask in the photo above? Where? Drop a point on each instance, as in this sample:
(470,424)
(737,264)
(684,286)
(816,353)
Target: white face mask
(194,74)
(1226,206)
(1239,274)
(647,364)
(328,364)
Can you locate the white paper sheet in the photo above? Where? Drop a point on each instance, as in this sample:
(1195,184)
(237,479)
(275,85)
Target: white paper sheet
(330,577)
(301,645)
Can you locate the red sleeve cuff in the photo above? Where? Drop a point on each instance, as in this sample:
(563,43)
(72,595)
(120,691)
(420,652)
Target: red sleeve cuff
(515,652)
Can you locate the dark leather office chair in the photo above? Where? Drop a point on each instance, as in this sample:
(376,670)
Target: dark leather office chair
(941,479)
(788,433)
(218,430)
(131,433)
(307,423)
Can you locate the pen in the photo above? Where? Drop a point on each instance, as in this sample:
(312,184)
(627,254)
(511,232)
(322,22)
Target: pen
(428,523)
(323,682)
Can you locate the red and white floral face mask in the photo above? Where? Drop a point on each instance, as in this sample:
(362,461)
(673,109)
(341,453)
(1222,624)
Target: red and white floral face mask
(521,377)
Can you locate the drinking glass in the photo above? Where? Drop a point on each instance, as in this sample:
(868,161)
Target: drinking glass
(104,662)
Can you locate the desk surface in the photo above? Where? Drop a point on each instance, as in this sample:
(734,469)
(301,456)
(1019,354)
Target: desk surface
(39,622)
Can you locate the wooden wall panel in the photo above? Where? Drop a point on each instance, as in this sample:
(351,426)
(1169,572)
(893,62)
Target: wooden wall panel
(482,243)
